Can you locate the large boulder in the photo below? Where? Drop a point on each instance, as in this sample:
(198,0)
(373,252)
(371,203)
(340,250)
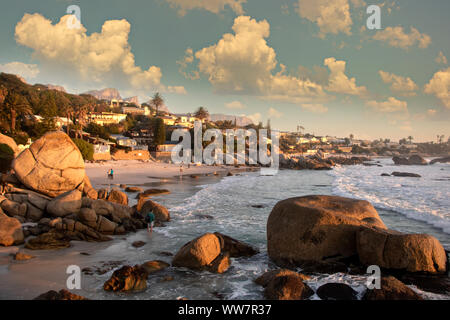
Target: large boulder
(10,142)
(317,228)
(391,289)
(199,253)
(394,250)
(11,232)
(52,165)
(400,160)
(65,204)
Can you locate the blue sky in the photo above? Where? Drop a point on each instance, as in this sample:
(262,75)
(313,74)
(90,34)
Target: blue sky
(296,62)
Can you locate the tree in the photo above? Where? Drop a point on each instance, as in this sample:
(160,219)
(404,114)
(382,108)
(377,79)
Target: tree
(201,113)
(410,138)
(86,149)
(14,105)
(351,136)
(159,131)
(157,102)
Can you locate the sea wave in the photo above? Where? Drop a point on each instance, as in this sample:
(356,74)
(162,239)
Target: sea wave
(424,199)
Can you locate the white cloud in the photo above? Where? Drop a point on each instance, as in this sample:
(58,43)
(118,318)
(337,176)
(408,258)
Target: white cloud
(243,63)
(431,112)
(103,58)
(187,60)
(235,105)
(396,37)
(214,6)
(331,16)
(315,108)
(391,105)
(27,71)
(441,58)
(256,117)
(402,85)
(274,113)
(439,86)
(339,82)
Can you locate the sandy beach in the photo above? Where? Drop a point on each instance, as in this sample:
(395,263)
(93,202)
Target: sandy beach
(135,172)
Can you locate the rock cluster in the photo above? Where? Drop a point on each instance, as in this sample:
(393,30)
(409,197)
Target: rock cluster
(317,162)
(412,160)
(49,187)
(328,230)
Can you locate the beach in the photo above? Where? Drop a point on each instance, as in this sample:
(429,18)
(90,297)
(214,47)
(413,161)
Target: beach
(237,206)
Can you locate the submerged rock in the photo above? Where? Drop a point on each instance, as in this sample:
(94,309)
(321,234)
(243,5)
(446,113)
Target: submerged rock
(391,289)
(11,232)
(264,279)
(406,174)
(52,240)
(61,295)
(155,266)
(336,291)
(287,287)
(127,278)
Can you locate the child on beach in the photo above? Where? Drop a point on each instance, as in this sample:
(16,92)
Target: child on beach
(150,220)
(111,174)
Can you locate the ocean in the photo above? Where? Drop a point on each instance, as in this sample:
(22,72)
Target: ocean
(239,206)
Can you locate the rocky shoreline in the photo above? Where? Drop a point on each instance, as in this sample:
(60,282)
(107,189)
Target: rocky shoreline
(306,236)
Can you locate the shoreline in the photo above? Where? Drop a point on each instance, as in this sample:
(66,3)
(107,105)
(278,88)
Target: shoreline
(139,173)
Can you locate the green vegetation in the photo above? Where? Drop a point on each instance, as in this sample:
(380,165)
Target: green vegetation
(159,131)
(6,157)
(86,149)
(201,113)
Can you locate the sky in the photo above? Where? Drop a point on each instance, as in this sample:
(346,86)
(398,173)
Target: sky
(310,63)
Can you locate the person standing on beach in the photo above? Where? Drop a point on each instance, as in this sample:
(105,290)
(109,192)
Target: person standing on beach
(111,174)
(150,220)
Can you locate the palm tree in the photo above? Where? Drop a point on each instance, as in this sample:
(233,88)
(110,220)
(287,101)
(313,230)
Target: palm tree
(201,113)
(351,136)
(440,138)
(410,138)
(157,101)
(15,105)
